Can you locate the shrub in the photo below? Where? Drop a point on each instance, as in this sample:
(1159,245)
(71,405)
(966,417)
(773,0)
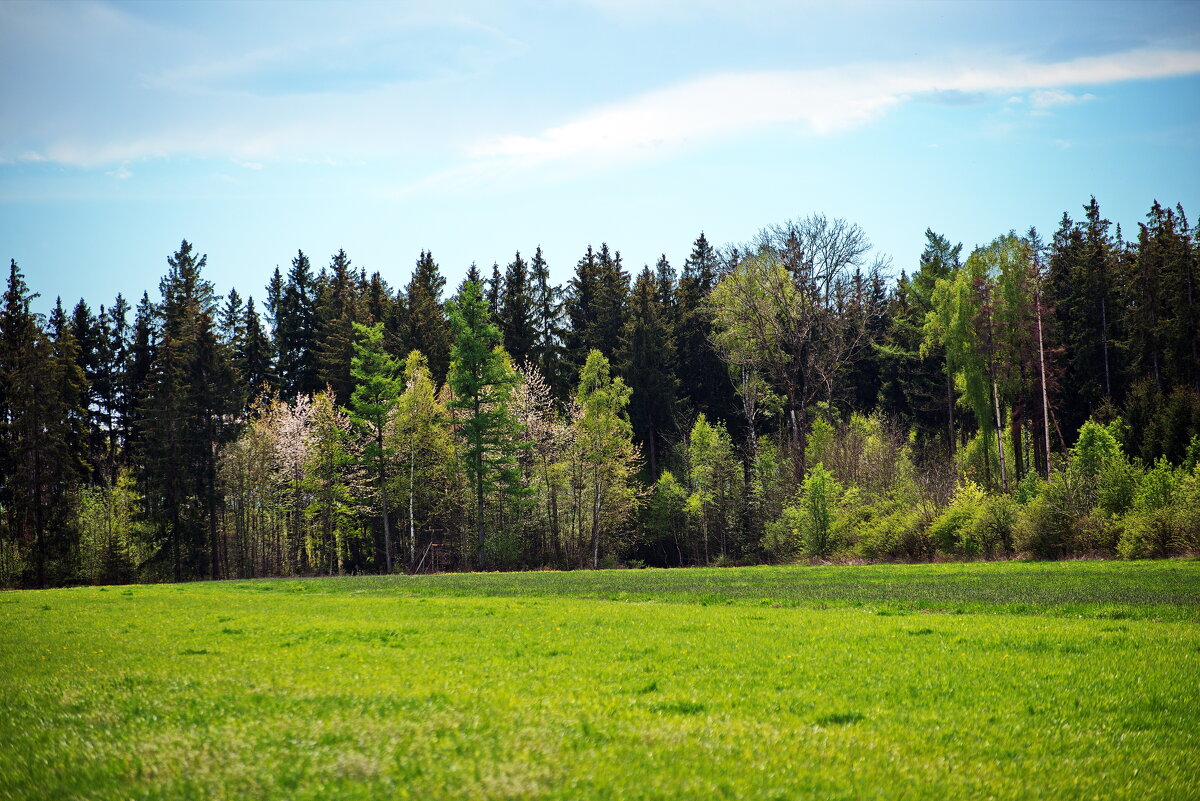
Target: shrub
(1116,486)
(1095,448)
(818,522)
(1147,533)
(992,528)
(1029,487)
(952,532)
(895,534)
(1156,525)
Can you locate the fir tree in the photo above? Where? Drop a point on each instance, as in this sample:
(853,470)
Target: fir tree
(337,312)
(429,331)
(547,351)
(646,364)
(296,330)
(516,312)
(481,379)
(377,388)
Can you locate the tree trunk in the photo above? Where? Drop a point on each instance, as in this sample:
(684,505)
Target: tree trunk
(999,438)
(596,522)
(1104,342)
(1042,374)
(412,523)
(383,502)
(479,507)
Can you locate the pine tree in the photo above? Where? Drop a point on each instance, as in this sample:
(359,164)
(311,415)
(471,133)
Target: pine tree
(92,344)
(595,305)
(429,331)
(296,330)
(707,387)
(337,312)
(184,412)
(517,311)
(547,352)
(481,379)
(646,363)
(253,359)
(112,387)
(42,459)
(376,392)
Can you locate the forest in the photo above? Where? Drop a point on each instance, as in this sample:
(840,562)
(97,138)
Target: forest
(786,398)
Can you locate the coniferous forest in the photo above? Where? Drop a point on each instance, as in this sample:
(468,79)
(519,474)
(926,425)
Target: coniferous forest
(792,397)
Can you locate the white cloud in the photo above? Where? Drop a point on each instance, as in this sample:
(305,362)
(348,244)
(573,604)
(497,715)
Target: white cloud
(122,173)
(823,101)
(1045,98)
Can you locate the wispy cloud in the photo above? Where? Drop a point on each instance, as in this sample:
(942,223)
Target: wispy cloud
(1045,98)
(822,102)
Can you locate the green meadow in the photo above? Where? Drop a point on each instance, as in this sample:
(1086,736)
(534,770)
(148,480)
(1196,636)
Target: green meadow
(998,680)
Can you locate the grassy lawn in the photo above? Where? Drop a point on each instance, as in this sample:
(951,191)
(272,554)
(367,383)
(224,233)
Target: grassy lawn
(1008,680)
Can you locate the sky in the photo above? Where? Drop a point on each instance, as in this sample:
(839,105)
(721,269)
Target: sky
(477,129)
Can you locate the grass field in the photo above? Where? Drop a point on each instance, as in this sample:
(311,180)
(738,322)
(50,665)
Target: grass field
(1007,680)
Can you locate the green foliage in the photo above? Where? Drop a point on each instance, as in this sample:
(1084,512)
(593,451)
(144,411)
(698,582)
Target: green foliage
(482,381)
(1095,449)
(113,542)
(895,534)
(376,374)
(715,480)
(818,522)
(994,524)
(664,518)
(954,530)
(603,439)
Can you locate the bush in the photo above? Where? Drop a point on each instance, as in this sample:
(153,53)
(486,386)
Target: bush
(1029,487)
(818,522)
(896,534)
(1147,533)
(952,532)
(1116,486)
(1159,523)
(992,528)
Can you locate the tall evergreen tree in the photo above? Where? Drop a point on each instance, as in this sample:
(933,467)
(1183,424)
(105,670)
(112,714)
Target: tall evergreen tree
(429,331)
(595,305)
(708,388)
(517,311)
(184,410)
(337,311)
(549,332)
(296,330)
(377,389)
(41,432)
(481,379)
(646,363)
(253,358)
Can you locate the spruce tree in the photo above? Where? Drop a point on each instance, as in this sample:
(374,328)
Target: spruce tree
(296,330)
(377,387)
(42,459)
(547,312)
(517,312)
(253,360)
(707,387)
(429,331)
(646,363)
(337,312)
(481,380)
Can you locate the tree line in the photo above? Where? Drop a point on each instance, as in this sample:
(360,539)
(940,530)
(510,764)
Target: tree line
(776,399)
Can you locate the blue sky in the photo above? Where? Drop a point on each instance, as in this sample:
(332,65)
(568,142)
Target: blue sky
(475,129)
